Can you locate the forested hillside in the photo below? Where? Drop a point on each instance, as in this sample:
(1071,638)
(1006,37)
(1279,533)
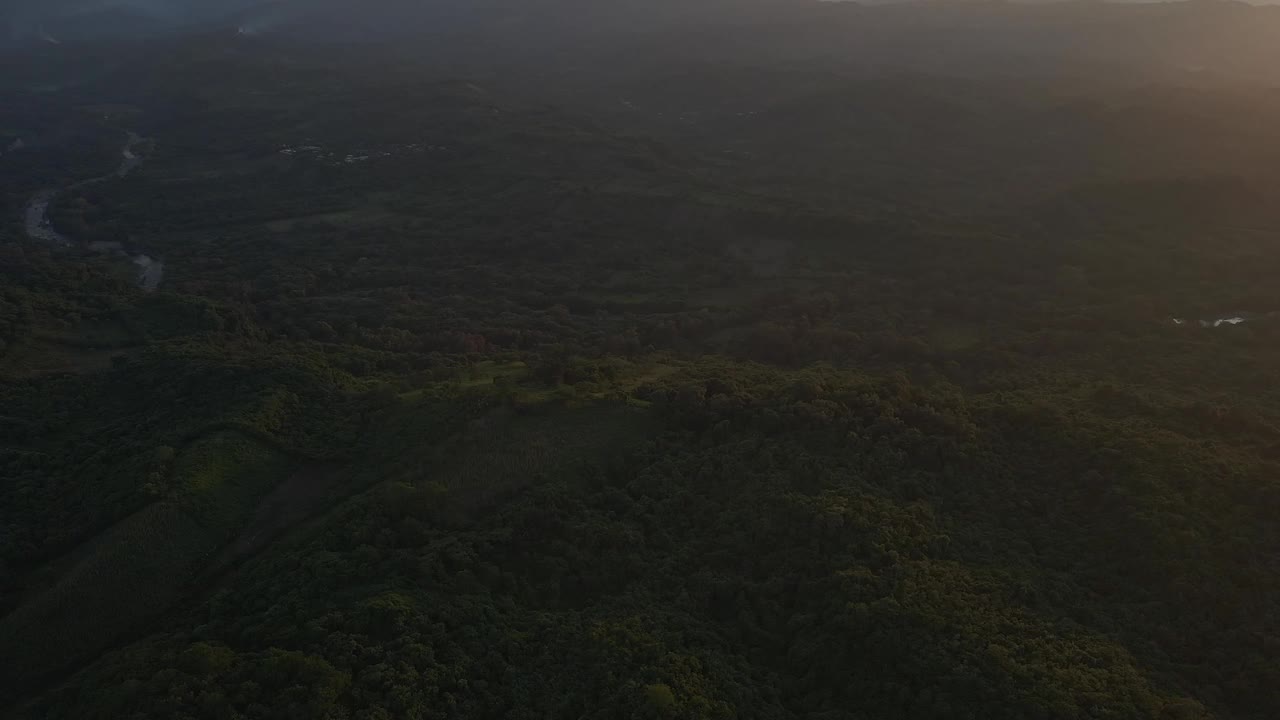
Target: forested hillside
(343,384)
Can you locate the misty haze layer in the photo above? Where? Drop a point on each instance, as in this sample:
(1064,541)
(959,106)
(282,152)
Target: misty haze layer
(1220,38)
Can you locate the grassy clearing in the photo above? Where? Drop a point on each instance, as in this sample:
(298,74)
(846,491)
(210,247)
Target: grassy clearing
(957,338)
(93,333)
(141,566)
(80,347)
(503,453)
(610,380)
(487,372)
(367,216)
(37,358)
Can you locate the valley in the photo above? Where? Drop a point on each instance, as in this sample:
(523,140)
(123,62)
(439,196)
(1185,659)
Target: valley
(832,361)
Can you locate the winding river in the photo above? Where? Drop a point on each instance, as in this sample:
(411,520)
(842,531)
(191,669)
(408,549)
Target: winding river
(39,227)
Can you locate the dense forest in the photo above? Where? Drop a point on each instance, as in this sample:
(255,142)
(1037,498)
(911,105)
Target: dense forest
(383,381)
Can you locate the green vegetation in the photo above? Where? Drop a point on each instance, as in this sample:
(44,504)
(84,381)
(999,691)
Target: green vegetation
(816,542)
(140,566)
(522,416)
